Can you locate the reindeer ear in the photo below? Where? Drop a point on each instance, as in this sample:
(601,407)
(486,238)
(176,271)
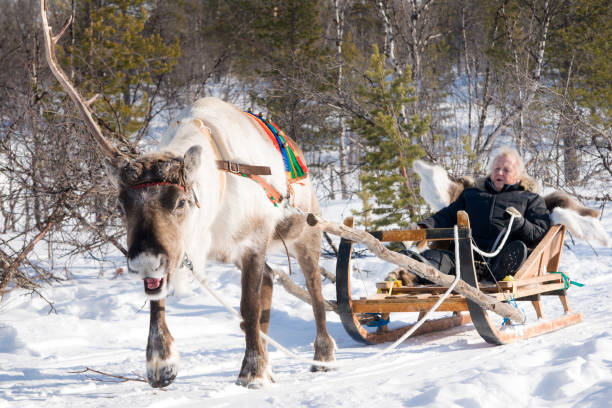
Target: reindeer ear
(113,171)
(192,160)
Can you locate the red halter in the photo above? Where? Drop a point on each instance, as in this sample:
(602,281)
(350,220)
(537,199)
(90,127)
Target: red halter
(156,183)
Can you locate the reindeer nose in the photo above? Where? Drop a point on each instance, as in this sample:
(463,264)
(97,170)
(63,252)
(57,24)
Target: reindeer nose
(147,263)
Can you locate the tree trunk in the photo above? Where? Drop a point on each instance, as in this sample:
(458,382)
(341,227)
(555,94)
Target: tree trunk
(339,10)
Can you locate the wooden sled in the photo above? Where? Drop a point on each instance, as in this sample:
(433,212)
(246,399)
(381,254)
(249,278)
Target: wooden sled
(531,281)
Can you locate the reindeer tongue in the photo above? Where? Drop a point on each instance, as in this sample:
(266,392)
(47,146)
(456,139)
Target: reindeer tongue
(152,283)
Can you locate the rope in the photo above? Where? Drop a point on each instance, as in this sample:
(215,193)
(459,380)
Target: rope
(379,322)
(501,245)
(348,362)
(568,281)
(508,322)
(511,300)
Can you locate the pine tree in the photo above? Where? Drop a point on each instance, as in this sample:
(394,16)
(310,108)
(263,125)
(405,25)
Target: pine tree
(288,51)
(114,57)
(391,142)
(581,68)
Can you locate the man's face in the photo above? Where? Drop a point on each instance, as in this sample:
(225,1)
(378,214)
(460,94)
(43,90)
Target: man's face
(504,172)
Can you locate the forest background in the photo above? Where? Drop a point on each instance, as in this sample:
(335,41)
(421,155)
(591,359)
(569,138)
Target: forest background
(365,87)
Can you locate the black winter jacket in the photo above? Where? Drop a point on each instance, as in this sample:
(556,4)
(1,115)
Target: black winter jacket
(486,209)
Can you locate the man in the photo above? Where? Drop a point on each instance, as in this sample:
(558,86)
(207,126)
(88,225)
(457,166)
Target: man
(507,186)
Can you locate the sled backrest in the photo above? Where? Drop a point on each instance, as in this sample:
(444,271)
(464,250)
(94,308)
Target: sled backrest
(546,256)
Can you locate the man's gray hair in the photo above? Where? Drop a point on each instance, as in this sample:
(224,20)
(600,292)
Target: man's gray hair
(507,151)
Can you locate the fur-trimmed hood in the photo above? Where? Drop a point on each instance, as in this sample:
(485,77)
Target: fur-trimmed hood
(527,183)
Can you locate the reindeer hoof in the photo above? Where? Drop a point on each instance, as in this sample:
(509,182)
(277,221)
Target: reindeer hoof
(161,373)
(255,383)
(324,351)
(255,374)
(320,368)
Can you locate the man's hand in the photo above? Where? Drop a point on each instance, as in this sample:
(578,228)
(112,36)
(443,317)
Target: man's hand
(514,211)
(518,221)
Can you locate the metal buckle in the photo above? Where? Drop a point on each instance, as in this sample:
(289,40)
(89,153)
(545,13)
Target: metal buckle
(234,169)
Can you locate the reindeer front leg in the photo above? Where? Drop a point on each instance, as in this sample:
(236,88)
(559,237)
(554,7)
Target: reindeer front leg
(254,372)
(162,357)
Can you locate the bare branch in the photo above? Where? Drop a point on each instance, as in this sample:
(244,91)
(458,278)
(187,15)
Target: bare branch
(118,378)
(327,274)
(296,290)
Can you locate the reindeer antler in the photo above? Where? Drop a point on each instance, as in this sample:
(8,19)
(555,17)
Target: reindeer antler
(50,41)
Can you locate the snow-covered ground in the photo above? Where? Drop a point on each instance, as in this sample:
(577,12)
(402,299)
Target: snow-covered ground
(101,322)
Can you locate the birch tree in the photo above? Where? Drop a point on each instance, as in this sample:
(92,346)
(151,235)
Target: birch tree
(340,7)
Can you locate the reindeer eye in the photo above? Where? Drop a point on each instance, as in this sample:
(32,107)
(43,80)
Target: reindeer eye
(180,204)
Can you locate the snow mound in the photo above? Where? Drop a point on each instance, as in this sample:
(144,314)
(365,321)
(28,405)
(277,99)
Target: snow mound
(9,341)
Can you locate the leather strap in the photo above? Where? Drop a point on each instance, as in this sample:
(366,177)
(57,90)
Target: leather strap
(272,193)
(238,168)
(252,172)
(205,130)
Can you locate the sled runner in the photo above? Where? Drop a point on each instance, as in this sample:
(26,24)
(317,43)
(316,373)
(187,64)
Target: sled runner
(366,319)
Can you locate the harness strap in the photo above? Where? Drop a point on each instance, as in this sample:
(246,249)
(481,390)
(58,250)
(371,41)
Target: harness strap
(245,170)
(205,130)
(272,193)
(237,168)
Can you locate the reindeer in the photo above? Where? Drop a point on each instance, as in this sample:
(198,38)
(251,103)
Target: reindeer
(190,199)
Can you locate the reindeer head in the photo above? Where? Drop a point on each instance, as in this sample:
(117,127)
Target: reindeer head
(157,200)
(155,191)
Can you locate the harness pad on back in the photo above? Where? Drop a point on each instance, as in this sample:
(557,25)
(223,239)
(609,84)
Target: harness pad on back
(294,163)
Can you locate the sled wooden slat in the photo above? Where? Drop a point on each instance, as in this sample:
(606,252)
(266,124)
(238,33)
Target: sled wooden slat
(408,303)
(424,301)
(531,281)
(404,307)
(487,288)
(434,234)
(542,289)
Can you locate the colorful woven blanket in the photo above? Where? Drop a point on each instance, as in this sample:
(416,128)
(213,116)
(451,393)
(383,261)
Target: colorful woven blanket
(294,164)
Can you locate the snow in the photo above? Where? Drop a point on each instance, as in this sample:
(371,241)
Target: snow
(101,322)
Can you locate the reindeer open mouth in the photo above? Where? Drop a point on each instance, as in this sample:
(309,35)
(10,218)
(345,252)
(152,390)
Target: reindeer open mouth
(153,286)
(152,269)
